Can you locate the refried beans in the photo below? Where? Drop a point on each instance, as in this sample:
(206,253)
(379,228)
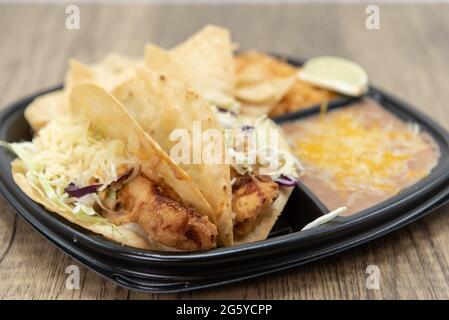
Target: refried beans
(360,155)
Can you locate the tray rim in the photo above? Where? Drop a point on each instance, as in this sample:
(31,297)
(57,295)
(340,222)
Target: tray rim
(181,286)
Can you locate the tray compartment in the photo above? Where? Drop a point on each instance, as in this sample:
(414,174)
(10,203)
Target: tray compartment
(407,115)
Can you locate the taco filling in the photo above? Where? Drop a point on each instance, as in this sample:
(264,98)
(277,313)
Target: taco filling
(98,169)
(251,195)
(161,214)
(82,172)
(246,191)
(255,185)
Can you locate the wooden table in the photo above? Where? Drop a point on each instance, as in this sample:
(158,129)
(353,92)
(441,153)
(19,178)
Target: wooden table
(407,56)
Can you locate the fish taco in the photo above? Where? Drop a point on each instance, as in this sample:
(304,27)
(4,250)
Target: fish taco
(98,169)
(246,198)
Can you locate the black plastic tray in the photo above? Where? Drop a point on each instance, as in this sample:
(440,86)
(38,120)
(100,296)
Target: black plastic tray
(286,247)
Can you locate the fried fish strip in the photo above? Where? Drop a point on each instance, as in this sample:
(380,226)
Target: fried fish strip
(163,219)
(251,194)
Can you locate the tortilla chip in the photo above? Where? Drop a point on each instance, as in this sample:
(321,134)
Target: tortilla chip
(109,117)
(161,104)
(160,60)
(261,81)
(204,61)
(265,93)
(107,73)
(44,108)
(77,72)
(121,234)
(252,65)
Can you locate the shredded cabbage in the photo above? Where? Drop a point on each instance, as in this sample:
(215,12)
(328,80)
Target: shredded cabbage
(68,151)
(267,157)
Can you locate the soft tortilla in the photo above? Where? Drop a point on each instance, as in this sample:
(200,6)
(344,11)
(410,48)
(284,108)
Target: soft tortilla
(161,104)
(110,117)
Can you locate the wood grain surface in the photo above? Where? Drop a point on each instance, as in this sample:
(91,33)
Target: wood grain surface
(407,56)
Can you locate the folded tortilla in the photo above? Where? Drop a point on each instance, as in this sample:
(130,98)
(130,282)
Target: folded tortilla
(108,117)
(161,104)
(107,73)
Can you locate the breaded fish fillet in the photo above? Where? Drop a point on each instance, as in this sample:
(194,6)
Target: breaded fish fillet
(163,219)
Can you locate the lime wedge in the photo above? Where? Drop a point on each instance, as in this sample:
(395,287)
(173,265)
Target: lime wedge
(340,75)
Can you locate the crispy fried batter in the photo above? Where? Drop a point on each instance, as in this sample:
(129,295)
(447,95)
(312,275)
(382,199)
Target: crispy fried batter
(164,220)
(251,194)
(302,95)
